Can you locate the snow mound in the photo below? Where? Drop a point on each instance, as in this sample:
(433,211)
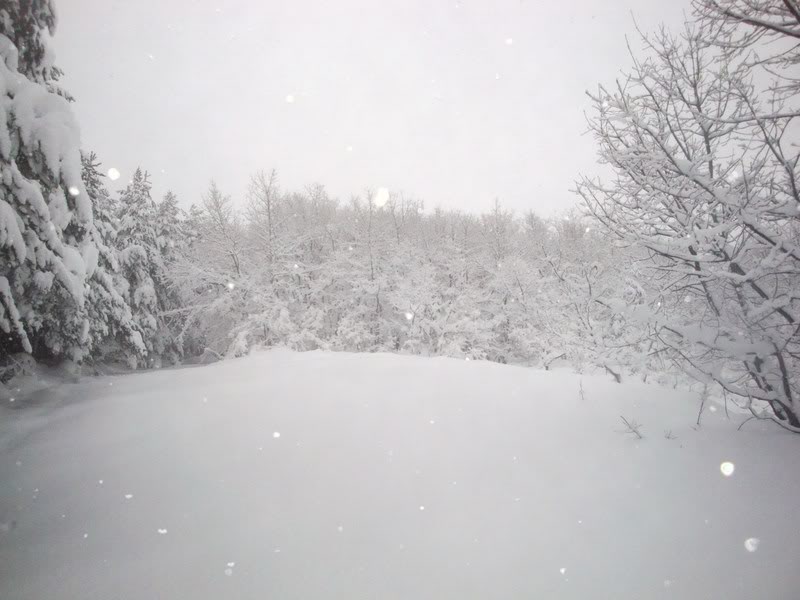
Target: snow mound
(392,477)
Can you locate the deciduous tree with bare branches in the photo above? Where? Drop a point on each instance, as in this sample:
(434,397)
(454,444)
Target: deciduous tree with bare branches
(706,185)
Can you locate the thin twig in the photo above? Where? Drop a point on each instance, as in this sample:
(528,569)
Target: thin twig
(739,428)
(632,428)
(703,397)
(725,396)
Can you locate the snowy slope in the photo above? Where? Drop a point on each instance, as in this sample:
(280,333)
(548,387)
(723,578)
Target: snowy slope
(305,476)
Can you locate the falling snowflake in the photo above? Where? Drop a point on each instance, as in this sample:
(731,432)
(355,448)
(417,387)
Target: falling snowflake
(509,41)
(381,197)
(409,316)
(751,544)
(162,531)
(562,570)
(73,191)
(727,468)
(128,496)
(340,529)
(422,508)
(231,285)
(276,434)
(289,98)
(113,174)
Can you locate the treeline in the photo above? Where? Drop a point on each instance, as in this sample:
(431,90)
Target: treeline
(380,274)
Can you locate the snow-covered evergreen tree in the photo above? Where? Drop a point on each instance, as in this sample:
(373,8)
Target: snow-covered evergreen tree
(28,25)
(112,329)
(141,262)
(43,270)
(172,237)
(169,226)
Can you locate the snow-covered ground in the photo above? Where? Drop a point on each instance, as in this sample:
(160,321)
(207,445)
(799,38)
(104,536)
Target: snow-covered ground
(317,475)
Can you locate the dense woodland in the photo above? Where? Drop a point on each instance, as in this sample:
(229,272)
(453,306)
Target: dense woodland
(684,260)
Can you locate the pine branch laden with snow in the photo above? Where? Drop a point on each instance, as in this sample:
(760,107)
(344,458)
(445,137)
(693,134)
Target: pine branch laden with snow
(709,191)
(29,25)
(46,249)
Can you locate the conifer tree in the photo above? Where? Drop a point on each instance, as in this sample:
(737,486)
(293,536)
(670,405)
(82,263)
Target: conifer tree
(46,248)
(140,259)
(112,330)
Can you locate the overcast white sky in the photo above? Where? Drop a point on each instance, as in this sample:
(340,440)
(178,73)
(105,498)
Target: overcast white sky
(455,102)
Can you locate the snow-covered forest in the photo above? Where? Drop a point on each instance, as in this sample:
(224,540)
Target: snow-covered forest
(407,400)
(682,258)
